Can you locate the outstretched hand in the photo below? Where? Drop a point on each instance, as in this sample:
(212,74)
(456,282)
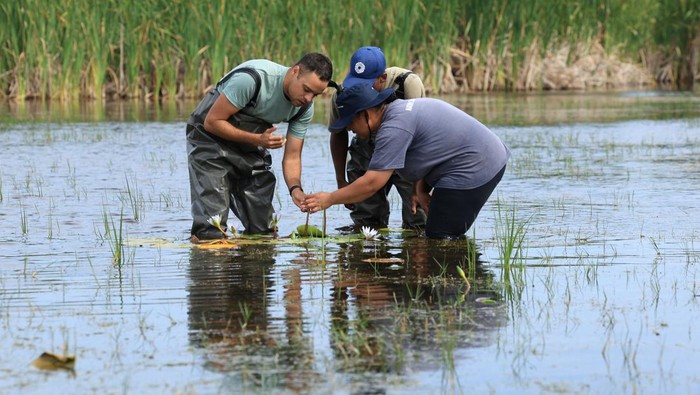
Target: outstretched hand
(318,201)
(271,141)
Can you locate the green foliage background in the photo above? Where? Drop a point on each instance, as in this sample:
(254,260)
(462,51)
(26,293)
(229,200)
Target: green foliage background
(176,48)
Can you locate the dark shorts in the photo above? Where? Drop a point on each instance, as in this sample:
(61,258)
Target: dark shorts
(453,211)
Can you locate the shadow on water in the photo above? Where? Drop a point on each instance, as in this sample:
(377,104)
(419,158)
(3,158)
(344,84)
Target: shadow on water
(392,307)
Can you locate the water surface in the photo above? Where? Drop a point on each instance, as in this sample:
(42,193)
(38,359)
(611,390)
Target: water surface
(603,298)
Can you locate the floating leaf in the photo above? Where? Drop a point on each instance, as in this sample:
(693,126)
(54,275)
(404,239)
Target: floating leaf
(485,300)
(309,231)
(49,361)
(383,260)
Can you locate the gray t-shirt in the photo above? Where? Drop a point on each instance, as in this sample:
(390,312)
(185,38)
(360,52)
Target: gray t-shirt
(272,106)
(429,138)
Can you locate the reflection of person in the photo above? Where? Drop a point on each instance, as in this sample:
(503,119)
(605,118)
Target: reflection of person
(233,303)
(428,142)
(231,130)
(368,66)
(378,312)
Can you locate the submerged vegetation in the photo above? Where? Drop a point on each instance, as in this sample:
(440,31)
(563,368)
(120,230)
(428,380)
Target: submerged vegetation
(154,49)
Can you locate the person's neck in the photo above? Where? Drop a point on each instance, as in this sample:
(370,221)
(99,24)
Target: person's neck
(286,82)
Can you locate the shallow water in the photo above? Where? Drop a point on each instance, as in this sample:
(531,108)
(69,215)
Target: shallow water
(604,298)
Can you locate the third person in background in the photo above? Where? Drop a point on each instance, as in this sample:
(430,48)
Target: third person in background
(368,67)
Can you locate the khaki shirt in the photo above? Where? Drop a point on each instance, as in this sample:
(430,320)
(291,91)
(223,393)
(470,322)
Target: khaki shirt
(413,86)
(413,89)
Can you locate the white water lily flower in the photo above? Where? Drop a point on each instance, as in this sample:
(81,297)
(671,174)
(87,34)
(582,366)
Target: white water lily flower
(369,233)
(215,221)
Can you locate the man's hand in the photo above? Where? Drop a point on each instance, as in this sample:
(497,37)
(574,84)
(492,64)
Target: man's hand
(318,201)
(298,197)
(271,141)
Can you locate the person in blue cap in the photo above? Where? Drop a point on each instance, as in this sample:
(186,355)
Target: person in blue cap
(453,160)
(368,66)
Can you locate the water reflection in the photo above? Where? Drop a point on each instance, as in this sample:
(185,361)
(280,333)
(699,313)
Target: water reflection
(522,108)
(227,294)
(389,303)
(231,315)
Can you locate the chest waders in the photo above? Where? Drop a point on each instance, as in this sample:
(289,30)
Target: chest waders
(230,175)
(374,211)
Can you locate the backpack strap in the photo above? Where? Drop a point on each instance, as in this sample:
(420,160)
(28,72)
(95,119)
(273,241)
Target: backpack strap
(400,80)
(300,113)
(250,71)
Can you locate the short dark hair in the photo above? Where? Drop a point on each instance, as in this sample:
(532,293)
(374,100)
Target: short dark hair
(318,63)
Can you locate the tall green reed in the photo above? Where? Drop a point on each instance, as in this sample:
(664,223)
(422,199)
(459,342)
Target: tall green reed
(166,49)
(510,235)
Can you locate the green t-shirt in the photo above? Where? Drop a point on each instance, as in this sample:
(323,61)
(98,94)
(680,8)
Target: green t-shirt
(271,104)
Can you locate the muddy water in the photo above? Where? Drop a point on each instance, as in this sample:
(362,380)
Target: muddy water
(603,296)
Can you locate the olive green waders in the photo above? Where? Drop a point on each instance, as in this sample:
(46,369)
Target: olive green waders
(228,175)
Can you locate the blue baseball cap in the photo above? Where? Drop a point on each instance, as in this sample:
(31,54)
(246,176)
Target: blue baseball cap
(355,99)
(366,64)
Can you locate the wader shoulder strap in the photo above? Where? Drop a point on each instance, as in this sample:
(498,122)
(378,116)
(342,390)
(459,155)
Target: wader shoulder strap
(300,113)
(400,80)
(256,77)
(199,114)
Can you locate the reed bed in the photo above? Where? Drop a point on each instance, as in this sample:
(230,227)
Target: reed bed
(176,49)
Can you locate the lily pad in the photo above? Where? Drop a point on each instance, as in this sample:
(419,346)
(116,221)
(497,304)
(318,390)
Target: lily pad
(485,300)
(309,231)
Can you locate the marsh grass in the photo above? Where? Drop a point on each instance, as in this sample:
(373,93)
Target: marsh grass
(114,233)
(24,221)
(510,235)
(153,49)
(134,199)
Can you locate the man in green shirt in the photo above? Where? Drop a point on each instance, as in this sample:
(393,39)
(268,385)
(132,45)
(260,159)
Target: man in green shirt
(230,132)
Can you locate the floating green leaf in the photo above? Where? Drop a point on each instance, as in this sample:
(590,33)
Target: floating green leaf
(309,231)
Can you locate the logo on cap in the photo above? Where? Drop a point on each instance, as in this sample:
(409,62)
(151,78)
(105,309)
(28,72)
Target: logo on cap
(359,67)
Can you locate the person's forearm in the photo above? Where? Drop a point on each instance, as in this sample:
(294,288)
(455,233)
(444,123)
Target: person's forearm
(339,154)
(291,170)
(358,191)
(420,186)
(222,128)
(291,161)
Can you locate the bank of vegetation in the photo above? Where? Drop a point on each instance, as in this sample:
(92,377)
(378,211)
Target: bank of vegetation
(168,49)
